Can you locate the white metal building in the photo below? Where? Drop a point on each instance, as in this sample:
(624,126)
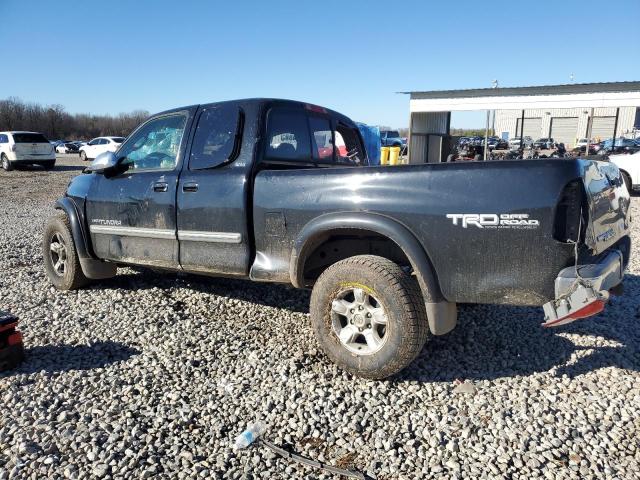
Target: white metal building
(566,125)
(562,112)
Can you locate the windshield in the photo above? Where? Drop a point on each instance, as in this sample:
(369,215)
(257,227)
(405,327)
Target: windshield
(393,133)
(29,138)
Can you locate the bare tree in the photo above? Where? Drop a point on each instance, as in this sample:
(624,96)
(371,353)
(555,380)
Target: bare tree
(54,122)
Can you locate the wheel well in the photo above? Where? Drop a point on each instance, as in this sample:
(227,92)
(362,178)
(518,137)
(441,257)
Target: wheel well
(335,246)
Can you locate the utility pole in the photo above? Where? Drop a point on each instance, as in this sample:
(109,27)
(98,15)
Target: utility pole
(494,84)
(589,129)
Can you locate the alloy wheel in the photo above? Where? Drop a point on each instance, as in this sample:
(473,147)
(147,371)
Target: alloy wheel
(58,254)
(359,320)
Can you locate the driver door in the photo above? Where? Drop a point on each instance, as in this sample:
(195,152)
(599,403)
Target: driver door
(132,214)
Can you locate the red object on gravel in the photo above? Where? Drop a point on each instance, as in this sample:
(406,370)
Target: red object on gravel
(11,347)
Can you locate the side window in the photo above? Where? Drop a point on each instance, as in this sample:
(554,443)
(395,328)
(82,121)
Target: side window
(217,137)
(3,139)
(102,141)
(349,148)
(155,145)
(321,139)
(287,135)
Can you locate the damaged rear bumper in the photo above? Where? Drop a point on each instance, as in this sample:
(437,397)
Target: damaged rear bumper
(583,290)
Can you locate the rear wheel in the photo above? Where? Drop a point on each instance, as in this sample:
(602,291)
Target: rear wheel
(368,316)
(6,163)
(49,165)
(60,255)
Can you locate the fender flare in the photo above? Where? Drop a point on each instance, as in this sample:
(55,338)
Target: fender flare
(92,267)
(441,314)
(68,206)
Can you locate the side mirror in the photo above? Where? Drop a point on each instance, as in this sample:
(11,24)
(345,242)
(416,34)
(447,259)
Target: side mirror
(103,163)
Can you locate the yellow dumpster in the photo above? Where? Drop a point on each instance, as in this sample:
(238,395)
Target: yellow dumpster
(394,156)
(384,156)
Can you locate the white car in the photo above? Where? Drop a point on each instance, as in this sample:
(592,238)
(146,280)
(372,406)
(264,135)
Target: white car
(99,145)
(31,148)
(629,165)
(581,143)
(514,143)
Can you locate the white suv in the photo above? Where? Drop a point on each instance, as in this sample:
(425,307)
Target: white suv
(30,148)
(99,145)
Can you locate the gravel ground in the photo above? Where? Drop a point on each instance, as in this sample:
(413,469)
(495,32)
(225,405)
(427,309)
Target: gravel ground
(146,376)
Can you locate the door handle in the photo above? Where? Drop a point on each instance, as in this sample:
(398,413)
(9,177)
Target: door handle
(160,187)
(190,187)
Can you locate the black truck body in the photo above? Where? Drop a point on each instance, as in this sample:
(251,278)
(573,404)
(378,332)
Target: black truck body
(474,232)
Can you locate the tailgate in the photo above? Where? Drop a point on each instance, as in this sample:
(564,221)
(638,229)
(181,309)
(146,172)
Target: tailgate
(33,148)
(608,204)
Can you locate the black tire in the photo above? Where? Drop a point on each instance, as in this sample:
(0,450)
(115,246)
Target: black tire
(627,182)
(49,165)
(6,163)
(83,156)
(72,277)
(388,286)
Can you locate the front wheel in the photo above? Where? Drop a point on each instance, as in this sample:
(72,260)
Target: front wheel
(83,156)
(368,316)
(60,255)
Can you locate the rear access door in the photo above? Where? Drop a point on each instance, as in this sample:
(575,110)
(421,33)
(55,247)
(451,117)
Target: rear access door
(132,215)
(212,193)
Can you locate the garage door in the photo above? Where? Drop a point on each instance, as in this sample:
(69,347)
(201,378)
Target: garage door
(564,130)
(532,127)
(602,127)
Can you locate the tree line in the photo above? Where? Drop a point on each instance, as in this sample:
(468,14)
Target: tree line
(55,123)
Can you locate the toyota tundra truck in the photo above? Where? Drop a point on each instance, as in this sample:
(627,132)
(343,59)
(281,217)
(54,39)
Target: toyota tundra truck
(257,190)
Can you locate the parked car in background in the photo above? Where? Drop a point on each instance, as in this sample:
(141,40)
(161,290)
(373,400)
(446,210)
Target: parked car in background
(581,143)
(26,148)
(629,166)
(390,138)
(516,142)
(67,147)
(99,145)
(543,143)
(496,143)
(621,146)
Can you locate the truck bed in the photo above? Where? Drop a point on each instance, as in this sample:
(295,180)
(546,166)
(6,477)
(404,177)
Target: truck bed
(487,227)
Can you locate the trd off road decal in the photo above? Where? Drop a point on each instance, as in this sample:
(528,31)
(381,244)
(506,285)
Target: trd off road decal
(494,220)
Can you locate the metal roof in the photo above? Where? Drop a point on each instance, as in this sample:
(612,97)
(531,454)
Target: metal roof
(566,89)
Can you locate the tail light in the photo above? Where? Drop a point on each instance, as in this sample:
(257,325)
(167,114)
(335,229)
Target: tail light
(571,214)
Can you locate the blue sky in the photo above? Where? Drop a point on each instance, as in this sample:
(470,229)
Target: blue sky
(110,57)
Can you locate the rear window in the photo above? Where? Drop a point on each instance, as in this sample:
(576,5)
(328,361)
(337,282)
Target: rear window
(118,139)
(393,133)
(29,138)
(288,135)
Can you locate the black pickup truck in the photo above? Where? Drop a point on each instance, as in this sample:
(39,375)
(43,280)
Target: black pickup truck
(281,191)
